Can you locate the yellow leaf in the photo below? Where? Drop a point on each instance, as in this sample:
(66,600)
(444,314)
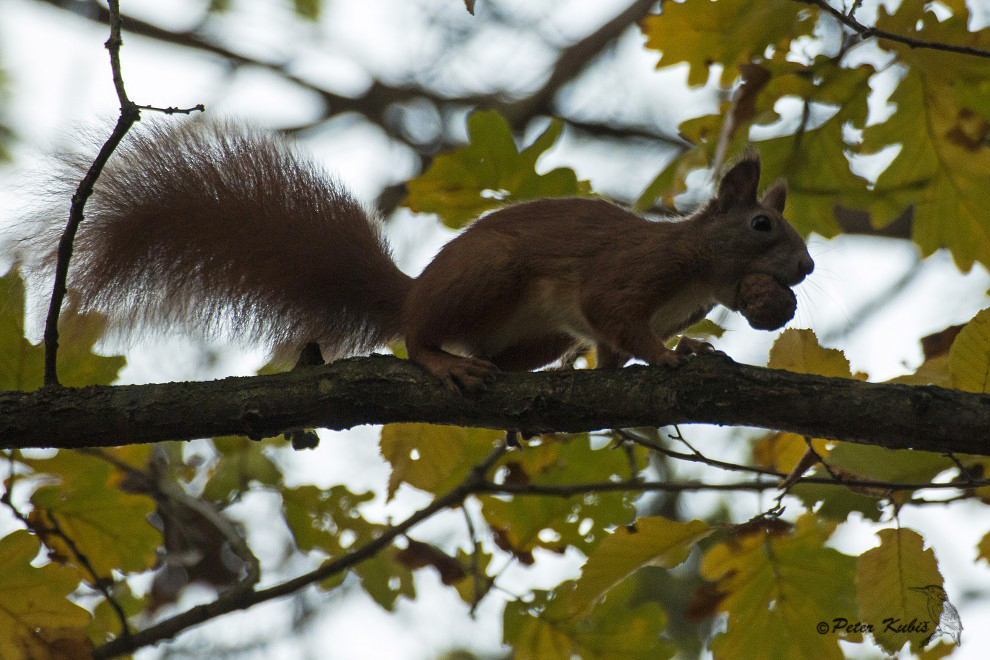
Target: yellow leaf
(36,619)
(109,527)
(781,451)
(969,357)
(933,371)
(885,578)
(580,521)
(651,541)
(777,588)
(941,125)
(22,363)
(432,458)
(621,628)
(798,351)
(983,548)
(488,173)
(699,33)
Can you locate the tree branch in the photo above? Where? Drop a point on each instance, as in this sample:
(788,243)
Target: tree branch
(380,389)
(867,32)
(242,600)
(129,114)
(374,102)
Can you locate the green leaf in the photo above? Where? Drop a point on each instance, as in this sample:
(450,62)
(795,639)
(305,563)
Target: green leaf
(697,33)
(837,502)
(875,462)
(543,628)
(705,328)
(885,577)
(433,458)
(108,527)
(650,541)
(318,517)
(22,363)
(308,9)
(385,579)
(241,463)
(941,126)
(559,522)
(983,548)
(329,521)
(969,357)
(106,623)
(36,617)
(489,172)
(777,587)
(819,177)
(672,180)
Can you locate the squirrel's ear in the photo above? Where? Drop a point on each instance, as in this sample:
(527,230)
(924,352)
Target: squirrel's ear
(776,196)
(739,184)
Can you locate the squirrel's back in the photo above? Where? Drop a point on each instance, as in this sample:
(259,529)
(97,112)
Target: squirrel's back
(223,229)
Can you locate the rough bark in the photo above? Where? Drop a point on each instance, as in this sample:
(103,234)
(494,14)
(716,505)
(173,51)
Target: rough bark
(379,389)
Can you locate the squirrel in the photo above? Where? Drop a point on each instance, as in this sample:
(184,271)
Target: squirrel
(210,223)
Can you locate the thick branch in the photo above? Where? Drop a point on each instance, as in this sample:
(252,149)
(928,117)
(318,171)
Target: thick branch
(377,390)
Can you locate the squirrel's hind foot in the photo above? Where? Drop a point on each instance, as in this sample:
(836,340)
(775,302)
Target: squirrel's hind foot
(459,374)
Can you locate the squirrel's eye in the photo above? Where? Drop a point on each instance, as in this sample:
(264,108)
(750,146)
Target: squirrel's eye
(762,223)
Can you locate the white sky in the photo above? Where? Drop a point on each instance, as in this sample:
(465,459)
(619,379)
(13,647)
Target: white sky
(59,77)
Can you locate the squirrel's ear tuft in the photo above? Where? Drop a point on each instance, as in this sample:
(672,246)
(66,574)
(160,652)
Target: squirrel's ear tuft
(739,184)
(776,196)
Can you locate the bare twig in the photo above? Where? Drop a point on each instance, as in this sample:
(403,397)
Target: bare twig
(240,600)
(49,526)
(479,592)
(570,490)
(129,113)
(868,32)
(695,456)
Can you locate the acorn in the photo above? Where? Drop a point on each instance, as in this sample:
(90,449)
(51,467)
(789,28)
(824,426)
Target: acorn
(766,303)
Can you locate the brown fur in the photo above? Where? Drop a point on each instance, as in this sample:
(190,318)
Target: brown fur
(216,228)
(207,221)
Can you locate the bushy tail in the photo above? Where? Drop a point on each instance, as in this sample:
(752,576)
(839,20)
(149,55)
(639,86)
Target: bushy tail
(215,228)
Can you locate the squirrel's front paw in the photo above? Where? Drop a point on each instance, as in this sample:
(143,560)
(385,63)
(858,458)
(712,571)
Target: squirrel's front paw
(691,346)
(669,358)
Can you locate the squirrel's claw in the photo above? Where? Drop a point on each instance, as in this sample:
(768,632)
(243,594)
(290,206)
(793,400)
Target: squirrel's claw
(469,374)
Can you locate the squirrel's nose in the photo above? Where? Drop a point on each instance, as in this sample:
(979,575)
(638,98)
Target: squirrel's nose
(802,269)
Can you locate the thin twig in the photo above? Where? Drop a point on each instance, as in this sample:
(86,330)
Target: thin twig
(475,561)
(570,490)
(867,32)
(172,110)
(230,602)
(53,528)
(129,113)
(819,459)
(694,457)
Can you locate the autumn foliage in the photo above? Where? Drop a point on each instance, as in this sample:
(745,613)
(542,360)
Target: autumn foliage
(801,87)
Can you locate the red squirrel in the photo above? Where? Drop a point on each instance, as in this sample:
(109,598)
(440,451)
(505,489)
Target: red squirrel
(207,223)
